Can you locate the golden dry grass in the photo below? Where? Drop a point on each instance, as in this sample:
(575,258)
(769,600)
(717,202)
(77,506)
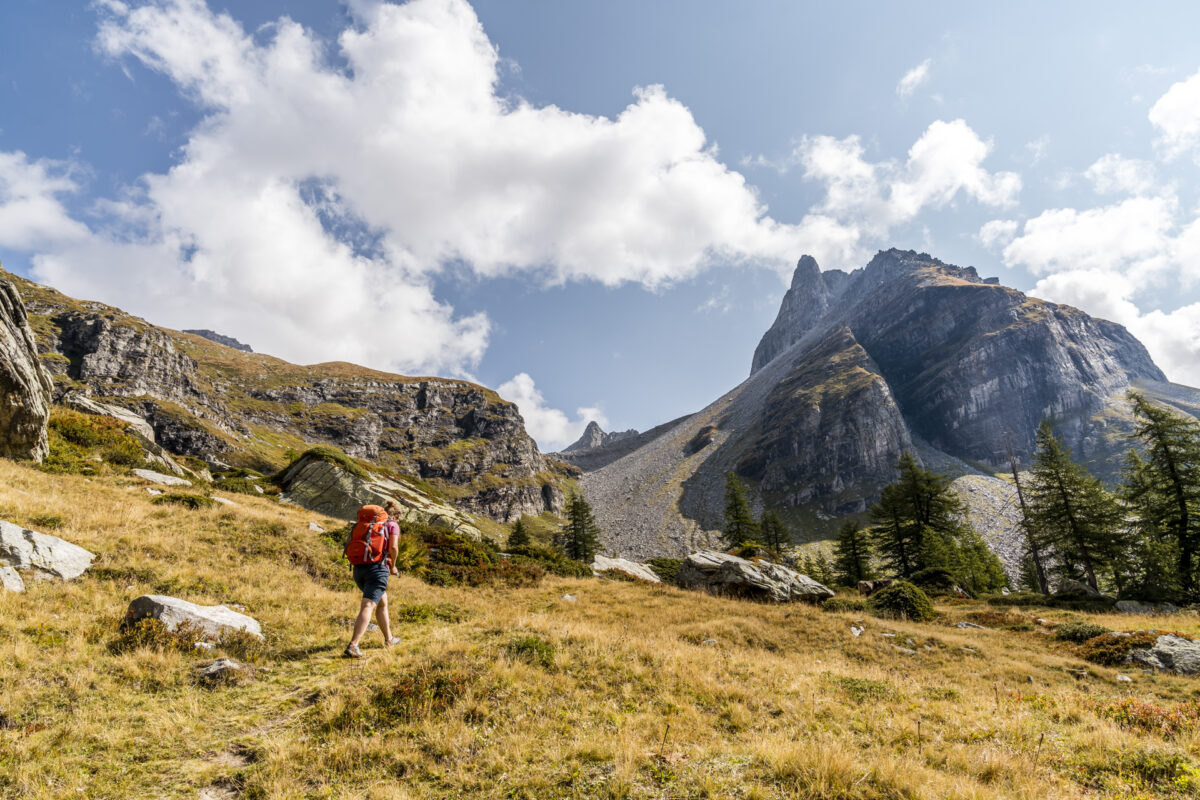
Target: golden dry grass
(630,692)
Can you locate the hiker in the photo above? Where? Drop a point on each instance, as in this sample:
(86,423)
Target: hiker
(372,550)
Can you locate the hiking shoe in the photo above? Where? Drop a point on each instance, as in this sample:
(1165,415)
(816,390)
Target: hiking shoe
(352,651)
(392,642)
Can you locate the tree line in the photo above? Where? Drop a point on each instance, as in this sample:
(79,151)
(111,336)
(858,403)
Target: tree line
(1140,539)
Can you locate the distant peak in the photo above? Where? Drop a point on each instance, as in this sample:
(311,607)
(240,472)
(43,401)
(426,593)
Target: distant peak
(228,341)
(807,271)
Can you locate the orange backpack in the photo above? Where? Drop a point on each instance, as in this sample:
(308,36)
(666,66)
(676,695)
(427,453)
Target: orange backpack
(369,540)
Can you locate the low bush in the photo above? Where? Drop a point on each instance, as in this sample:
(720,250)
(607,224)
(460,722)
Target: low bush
(1111,649)
(424,612)
(1070,602)
(1140,715)
(1078,632)
(666,568)
(840,603)
(427,690)
(863,690)
(455,560)
(195,502)
(901,600)
(238,485)
(936,581)
(153,634)
(551,560)
(533,649)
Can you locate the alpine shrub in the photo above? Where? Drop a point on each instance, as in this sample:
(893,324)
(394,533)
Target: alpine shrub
(1078,632)
(901,600)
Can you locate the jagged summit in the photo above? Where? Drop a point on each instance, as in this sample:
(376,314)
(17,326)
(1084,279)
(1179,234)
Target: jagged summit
(905,353)
(594,437)
(228,341)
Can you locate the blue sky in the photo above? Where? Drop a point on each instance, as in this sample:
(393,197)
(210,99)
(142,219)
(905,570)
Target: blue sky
(593,207)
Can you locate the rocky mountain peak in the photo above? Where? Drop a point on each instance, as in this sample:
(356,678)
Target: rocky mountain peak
(228,341)
(594,437)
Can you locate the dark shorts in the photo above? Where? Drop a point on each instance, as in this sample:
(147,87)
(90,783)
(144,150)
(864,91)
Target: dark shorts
(372,580)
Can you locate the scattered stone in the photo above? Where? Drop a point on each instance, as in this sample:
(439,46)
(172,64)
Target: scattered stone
(39,556)
(631,568)
(710,642)
(1029,679)
(888,635)
(1079,588)
(205,646)
(223,670)
(570,598)
(153,492)
(965,624)
(1147,609)
(1124,679)
(905,650)
(223,501)
(723,574)
(210,620)
(314,527)
(159,478)
(856,630)
(1171,653)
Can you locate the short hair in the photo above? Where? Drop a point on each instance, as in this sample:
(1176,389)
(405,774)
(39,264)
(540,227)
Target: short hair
(390,506)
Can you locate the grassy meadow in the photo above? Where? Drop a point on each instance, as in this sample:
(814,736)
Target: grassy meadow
(631,691)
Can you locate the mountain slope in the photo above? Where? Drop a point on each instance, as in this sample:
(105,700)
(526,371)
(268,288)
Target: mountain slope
(907,353)
(228,406)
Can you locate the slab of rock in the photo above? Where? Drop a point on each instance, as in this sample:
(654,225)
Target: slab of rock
(1171,653)
(1149,609)
(721,573)
(631,568)
(327,488)
(25,386)
(223,670)
(211,621)
(159,478)
(39,556)
(223,501)
(315,528)
(869,588)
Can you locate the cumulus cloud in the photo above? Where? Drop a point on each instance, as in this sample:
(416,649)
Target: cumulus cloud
(1115,174)
(913,79)
(1176,115)
(325,188)
(998,232)
(552,429)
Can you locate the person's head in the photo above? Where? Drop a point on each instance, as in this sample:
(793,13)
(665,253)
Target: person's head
(393,509)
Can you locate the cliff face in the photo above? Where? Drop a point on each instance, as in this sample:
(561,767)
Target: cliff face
(224,404)
(24,385)
(907,353)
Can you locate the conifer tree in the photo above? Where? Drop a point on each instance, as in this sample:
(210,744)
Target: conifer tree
(579,537)
(740,527)
(773,532)
(852,555)
(519,535)
(1163,488)
(1072,512)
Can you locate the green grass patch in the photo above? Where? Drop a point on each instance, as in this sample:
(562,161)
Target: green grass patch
(194,502)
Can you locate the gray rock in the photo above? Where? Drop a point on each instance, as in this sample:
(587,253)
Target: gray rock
(328,489)
(1076,587)
(228,341)
(222,670)
(869,588)
(10,580)
(25,386)
(965,624)
(161,479)
(1147,609)
(720,573)
(1124,679)
(569,598)
(39,556)
(624,565)
(223,501)
(209,620)
(153,492)
(1171,653)
(315,528)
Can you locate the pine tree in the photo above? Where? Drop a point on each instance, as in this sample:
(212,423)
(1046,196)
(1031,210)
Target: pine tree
(519,536)
(740,527)
(919,523)
(1072,512)
(1163,488)
(579,537)
(852,555)
(773,532)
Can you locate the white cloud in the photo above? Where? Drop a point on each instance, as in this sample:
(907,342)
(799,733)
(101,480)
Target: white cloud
(552,429)
(311,209)
(1115,174)
(913,78)
(1176,115)
(998,232)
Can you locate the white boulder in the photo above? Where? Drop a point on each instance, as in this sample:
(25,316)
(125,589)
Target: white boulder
(39,556)
(631,568)
(211,621)
(159,478)
(721,573)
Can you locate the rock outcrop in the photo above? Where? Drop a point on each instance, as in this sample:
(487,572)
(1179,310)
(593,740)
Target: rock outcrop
(205,621)
(228,341)
(25,387)
(330,489)
(641,572)
(594,436)
(223,404)
(26,554)
(723,574)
